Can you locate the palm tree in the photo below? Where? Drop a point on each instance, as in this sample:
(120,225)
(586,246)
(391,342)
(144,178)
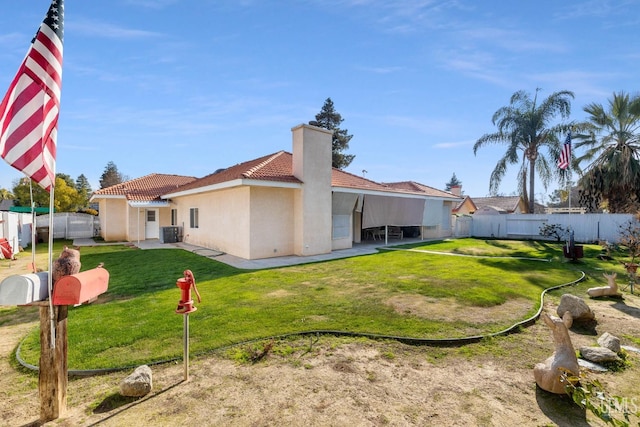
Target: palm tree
(612,155)
(524,126)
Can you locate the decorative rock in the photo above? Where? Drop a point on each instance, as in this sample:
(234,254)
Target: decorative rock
(593,367)
(631,348)
(609,341)
(138,384)
(548,374)
(576,306)
(598,354)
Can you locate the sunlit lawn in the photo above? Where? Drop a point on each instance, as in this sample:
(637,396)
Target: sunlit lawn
(135,322)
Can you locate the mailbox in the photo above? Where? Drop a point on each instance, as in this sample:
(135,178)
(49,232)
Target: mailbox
(81,287)
(23,289)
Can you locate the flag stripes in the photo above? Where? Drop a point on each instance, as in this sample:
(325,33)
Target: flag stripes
(565,153)
(30,109)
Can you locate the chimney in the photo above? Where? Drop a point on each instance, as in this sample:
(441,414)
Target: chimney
(456,190)
(312,204)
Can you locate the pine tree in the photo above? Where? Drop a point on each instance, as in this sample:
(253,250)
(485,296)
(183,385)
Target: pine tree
(84,189)
(110,176)
(329,119)
(454,181)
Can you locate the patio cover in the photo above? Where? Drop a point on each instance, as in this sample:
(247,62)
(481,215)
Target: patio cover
(379,211)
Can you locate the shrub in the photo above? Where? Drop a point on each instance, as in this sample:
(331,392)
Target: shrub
(553,230)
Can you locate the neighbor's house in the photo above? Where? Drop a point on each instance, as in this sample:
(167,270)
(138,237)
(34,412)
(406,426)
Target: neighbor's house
(499,205)
(280,204)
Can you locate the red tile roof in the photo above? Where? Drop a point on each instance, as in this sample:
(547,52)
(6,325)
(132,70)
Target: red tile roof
(273,167)
(146,188)
(276,167)
(340,178)
(416,187)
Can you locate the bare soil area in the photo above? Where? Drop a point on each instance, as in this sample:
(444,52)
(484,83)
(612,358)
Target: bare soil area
(331,381)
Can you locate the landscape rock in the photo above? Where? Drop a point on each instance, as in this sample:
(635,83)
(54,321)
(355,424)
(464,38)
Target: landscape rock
(594,367)
(609,341)
(579,309)
(598,354)
(138,384)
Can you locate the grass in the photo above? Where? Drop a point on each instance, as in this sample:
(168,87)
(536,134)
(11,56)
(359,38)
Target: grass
(135,323)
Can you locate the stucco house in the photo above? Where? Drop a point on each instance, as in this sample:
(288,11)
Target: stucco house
(276,205)
(500,205)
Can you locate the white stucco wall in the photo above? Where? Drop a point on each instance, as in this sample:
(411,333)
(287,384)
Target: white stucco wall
(271,222)
(113,219)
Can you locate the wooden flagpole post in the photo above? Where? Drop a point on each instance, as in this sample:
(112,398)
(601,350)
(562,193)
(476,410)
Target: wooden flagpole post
(53,369)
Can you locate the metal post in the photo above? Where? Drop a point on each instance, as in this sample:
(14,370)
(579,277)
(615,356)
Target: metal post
(186,346)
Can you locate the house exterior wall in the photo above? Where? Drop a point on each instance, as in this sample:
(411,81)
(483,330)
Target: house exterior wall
(249,222)
(113,219)
(135,223)
(223,220)
(271,222)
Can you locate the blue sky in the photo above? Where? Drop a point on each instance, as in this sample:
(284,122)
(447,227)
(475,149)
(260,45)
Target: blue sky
(190,86)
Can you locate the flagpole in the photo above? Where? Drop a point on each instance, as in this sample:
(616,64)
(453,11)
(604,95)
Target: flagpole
(50,264)
(33,228)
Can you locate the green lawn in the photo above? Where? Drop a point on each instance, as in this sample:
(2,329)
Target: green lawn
(136,322)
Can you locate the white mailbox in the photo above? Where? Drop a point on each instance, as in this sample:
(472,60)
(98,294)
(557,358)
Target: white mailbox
(24,289)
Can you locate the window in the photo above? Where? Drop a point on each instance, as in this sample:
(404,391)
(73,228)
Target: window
(174,217)
(151,216)
(341,226)
(193,218)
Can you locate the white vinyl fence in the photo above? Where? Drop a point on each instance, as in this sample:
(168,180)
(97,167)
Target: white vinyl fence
(16,228)
(587,228)
(68,225)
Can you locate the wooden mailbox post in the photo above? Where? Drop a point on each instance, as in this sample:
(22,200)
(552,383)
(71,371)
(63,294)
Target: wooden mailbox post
(75,289)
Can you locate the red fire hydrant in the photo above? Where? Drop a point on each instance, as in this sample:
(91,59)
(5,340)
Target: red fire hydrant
(185,306)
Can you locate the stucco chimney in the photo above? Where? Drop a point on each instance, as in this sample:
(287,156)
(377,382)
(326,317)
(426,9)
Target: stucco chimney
(456,190)
(312,204)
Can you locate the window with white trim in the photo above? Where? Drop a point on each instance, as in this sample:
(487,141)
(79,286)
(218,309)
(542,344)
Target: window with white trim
(193,218)
(341,226)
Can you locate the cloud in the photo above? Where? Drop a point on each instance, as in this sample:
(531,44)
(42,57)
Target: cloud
(456,144)
(105,30)
(380,70)
(152,4)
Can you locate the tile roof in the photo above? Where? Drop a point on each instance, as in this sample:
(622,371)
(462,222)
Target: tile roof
(340,178)
(416,187)
(273,167)
(505,203)
(146,188)
(276,167)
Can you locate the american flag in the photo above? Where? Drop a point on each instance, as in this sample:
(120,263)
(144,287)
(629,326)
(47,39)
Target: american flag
(29,110)
(565,154)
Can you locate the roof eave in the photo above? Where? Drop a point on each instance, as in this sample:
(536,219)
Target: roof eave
(232,184)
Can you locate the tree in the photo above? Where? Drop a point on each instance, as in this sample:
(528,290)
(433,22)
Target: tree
(6,194)
(612,174)
(525,127)
(329,119)
(65,197)
(454,181)
(111,176)
(559,198)
(84,190)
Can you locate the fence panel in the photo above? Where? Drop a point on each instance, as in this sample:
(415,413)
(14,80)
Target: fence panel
(586,227)
(70,225)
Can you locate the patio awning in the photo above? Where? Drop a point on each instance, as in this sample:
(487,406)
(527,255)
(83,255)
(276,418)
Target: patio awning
(149,204)
(379,211)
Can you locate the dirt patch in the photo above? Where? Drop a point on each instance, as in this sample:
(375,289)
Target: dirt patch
(449,309)
(332,382)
